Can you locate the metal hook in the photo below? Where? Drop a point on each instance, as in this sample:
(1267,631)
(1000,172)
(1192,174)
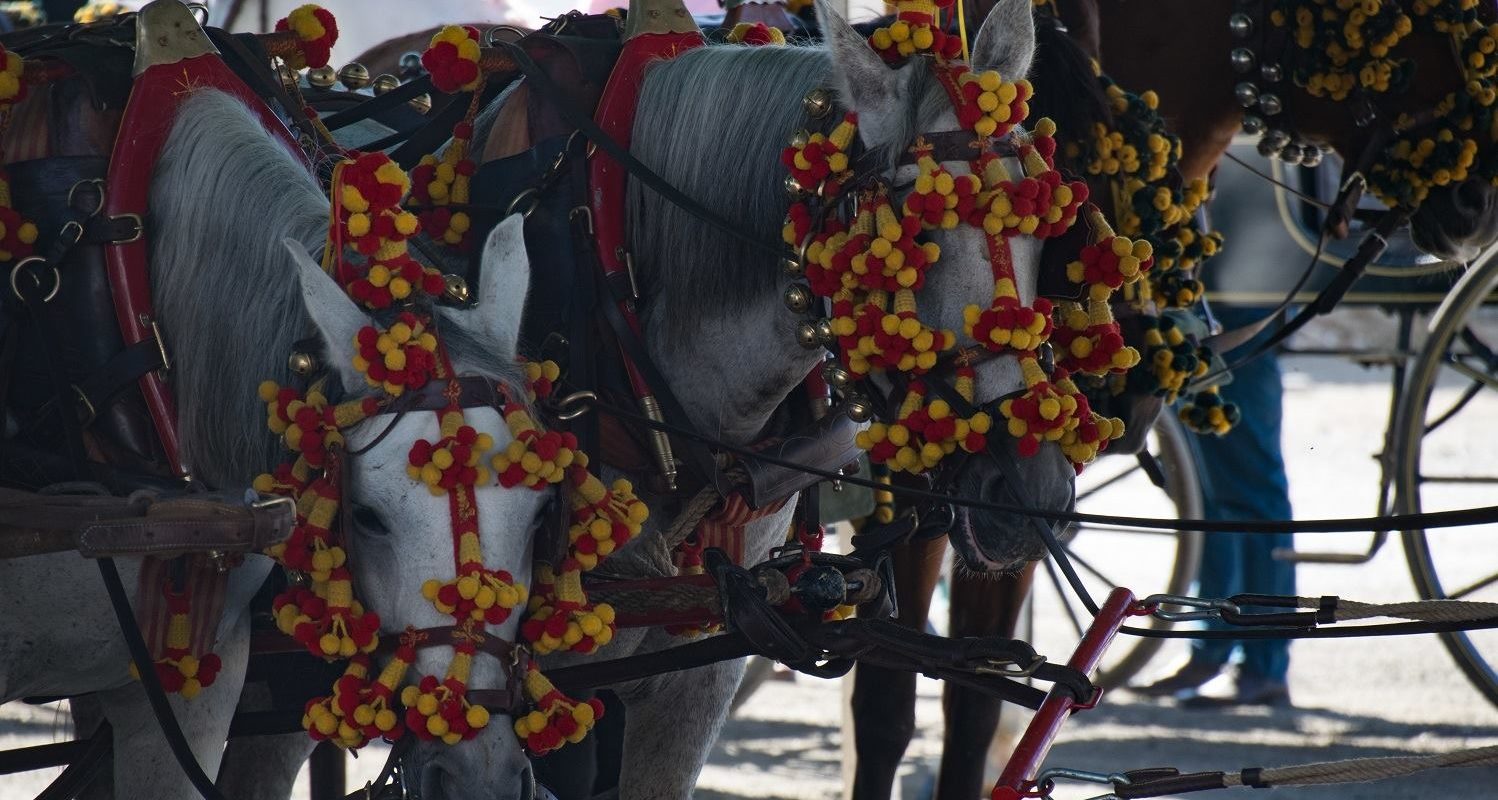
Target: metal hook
(1210,609)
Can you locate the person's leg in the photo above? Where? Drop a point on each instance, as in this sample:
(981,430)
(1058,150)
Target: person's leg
(1247,472)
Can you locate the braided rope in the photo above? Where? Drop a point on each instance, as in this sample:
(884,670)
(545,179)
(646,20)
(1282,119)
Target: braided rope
(1422,610)
(1362,770)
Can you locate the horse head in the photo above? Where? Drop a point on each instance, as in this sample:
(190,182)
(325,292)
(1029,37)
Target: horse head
(403,536)
(894,107)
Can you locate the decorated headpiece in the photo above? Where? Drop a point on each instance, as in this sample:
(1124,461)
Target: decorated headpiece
(871,266)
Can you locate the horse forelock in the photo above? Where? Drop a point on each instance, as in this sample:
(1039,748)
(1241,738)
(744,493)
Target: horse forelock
(712,122)
(224,195)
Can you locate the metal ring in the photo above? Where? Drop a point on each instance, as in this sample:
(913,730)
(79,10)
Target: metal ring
(581,399)
(98,183)
(490,39)
(535,203)
(199,10)
(15,274)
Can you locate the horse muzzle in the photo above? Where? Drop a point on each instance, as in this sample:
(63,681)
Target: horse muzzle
(996,541)
(1457,221)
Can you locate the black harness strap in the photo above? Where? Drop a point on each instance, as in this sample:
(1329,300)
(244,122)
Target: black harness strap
(634,166)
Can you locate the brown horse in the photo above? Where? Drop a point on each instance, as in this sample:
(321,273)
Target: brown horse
(1181,50)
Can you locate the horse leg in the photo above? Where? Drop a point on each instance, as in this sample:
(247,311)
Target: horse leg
(144,765)
(262,767)
(980,607)
(670,724)
(884,700)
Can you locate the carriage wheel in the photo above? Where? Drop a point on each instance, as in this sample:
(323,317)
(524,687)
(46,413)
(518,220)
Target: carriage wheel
(1147,562)
(1449,401)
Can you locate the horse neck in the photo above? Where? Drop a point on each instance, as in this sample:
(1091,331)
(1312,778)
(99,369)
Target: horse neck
(1180,50)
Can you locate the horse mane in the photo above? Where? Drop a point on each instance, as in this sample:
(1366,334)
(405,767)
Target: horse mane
(224,195)
(712,122)
(1066,88)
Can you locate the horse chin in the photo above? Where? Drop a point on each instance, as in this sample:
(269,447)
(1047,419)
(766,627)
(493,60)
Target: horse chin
(996,542)
(1456,223)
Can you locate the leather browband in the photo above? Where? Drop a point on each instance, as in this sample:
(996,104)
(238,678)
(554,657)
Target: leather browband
(954,146)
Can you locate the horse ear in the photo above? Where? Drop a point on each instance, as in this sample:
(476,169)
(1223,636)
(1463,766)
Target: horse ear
(1006,42)
(504,279)
(867,85)
(335,315)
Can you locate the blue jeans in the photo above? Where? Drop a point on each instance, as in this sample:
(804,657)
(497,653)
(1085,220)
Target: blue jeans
(1243,478)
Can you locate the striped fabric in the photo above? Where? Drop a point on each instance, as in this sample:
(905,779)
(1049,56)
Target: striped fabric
(724,527)
(206,588)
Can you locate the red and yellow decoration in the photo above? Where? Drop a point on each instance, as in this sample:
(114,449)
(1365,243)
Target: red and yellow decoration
(179,671)
(872,266)
(316,31)
(367,222)
(755,34)
(441,182)
(368,217)
(558,719)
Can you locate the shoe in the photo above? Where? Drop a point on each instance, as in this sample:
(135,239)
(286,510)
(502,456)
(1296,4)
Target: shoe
(1193,674)
(1251,690)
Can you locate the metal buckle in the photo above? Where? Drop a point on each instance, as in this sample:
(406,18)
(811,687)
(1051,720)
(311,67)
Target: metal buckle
(24,264)
(139,224)
(584,212)
(90,413)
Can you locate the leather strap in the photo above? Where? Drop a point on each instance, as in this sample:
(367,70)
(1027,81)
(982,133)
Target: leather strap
(101,526)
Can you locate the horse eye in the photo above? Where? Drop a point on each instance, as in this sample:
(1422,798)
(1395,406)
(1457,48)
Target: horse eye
(368,520)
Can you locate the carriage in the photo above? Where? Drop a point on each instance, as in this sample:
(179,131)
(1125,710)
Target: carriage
(496,342)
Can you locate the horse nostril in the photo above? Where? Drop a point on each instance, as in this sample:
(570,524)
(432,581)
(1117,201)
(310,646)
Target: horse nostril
(1471,198)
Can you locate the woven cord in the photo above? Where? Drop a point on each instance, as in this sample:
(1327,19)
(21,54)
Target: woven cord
(1422,610)
(1361,770)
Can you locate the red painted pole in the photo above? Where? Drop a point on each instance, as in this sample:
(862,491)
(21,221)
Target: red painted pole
(1033,747)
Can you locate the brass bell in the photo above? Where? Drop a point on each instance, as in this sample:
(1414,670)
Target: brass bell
(836,377)
(859,409)
(354,75)
(455,289)
(288,77)
(410,64)
(800,138)
(798,298)
(793,187)
(817,103)
(322,77)
(301,363)
(792,267)
(422,103)
(814,333)
(386,83)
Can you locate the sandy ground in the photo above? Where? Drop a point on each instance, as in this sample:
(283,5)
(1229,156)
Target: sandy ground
(1353,698)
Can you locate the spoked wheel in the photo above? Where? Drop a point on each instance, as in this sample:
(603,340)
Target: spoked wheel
(1444,460)
(1161,484)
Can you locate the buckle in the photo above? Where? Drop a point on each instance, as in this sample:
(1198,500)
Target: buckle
(137,226)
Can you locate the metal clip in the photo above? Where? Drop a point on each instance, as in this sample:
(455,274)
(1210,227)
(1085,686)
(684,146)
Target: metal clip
(1010,669)
(1210,609)
(1046,781)
(535,202)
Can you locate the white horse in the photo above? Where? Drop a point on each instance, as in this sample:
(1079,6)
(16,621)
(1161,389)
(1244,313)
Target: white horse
(712,122)
(232,300)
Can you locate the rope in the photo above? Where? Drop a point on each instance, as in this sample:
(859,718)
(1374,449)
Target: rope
(1361,770)
(691,515)
(1423,610)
